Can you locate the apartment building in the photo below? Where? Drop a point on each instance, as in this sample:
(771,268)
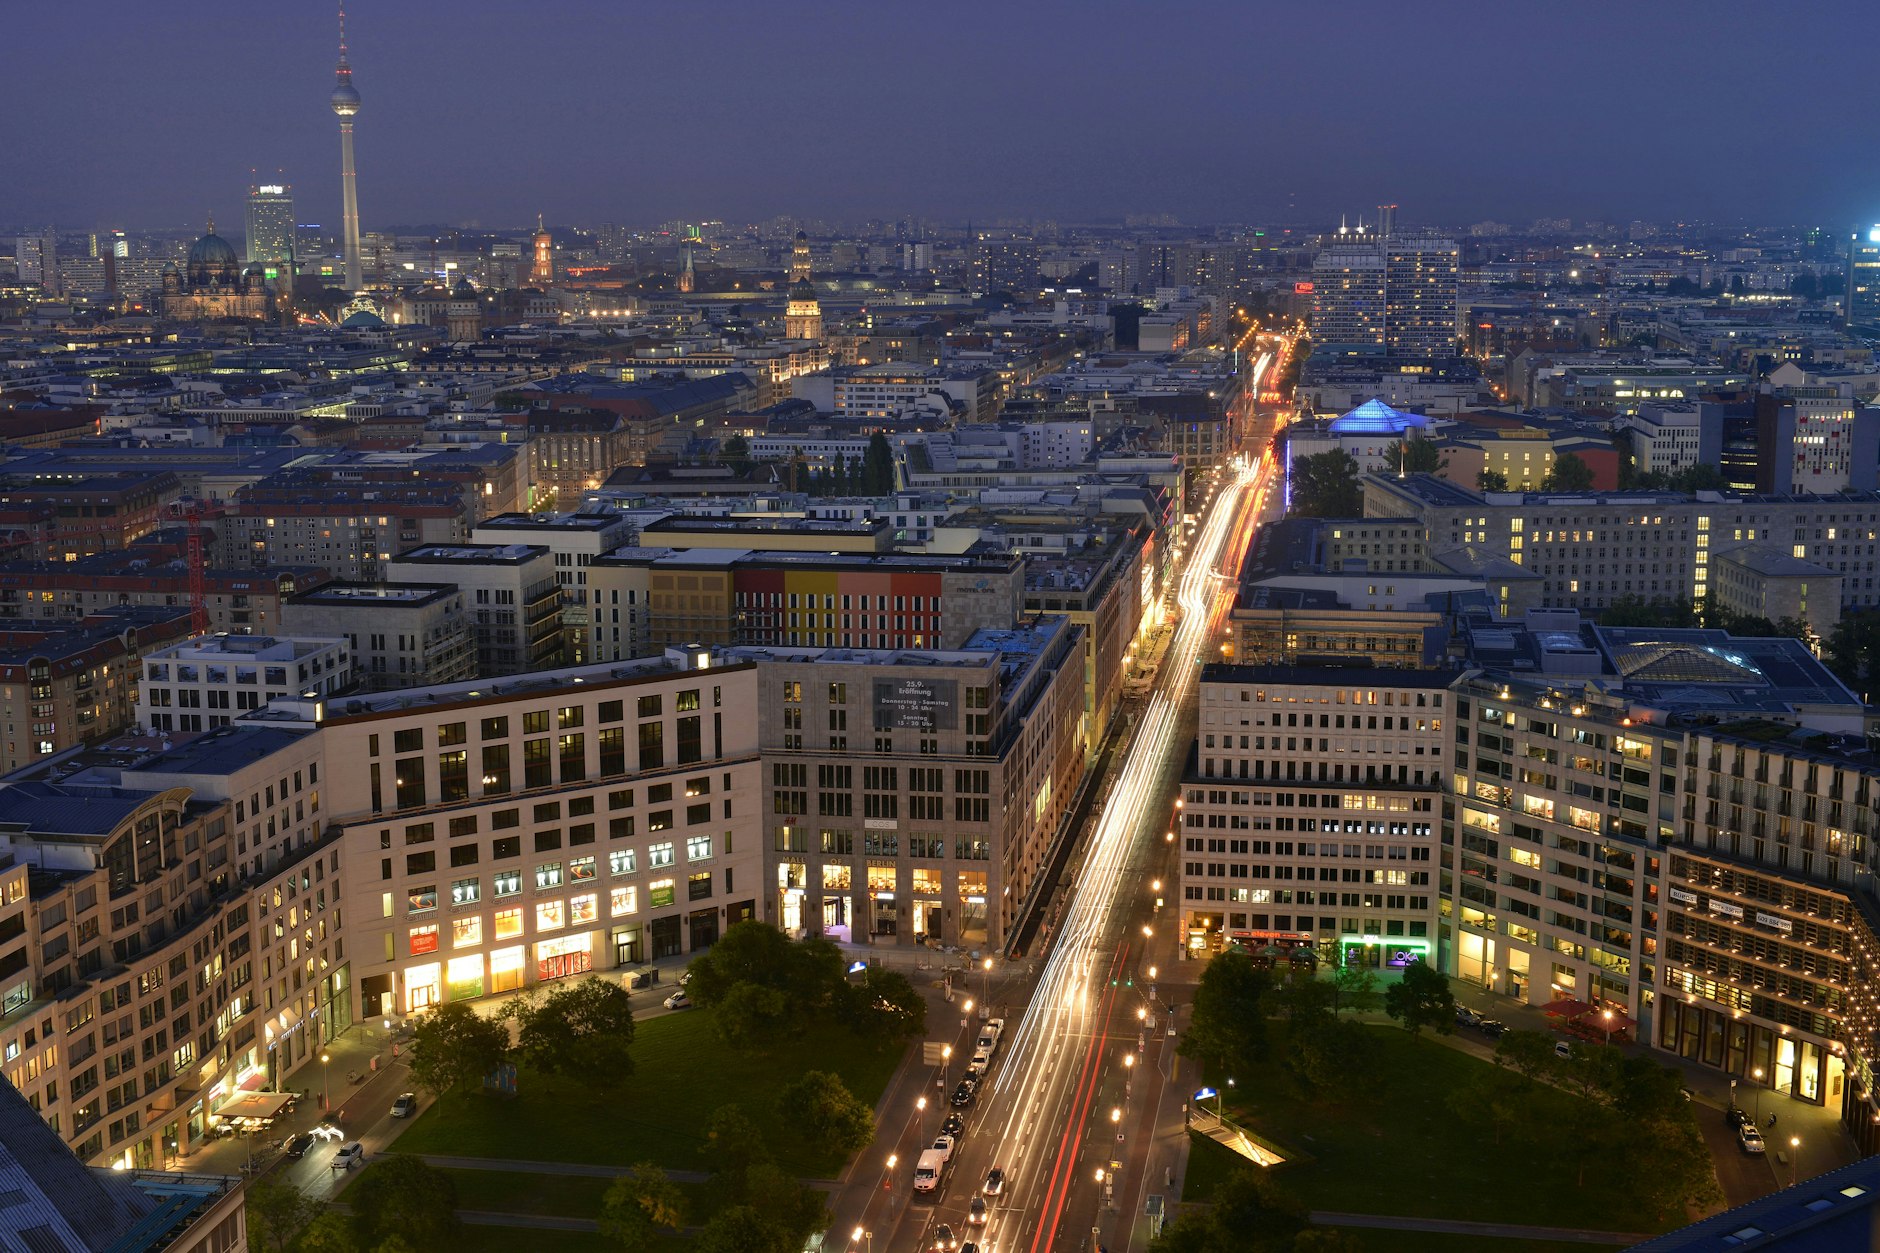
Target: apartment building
(1589,549)
(1264,863)
(912,795)
(237,601)
(513,832)
(175,954)
(576,540)
(726,596)
(348,532)
(511,597)
(400,634)
(210,680)
(71,683)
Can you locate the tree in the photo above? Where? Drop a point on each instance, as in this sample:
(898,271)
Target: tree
(331,1232)
(1416,456)
(1529,1054)
(1333,1059)
(1492,481)
(1227,1026)
(583,1028)
(1325,485)
(1493,1098)
(741,1229)
(638,1204)
(1853,650)
(795,1208)
(1422,999)
(277,1213)
(1304,1001)
(751,1016)
(402,1195)
(810,972)
(878,466)
(1667,1162)
(823,1107)
(1355,988)
(1592,1070)
(734,1146)
(884,1007)
(454,1046)
(735,451)
(1569,474)
(1256,1213)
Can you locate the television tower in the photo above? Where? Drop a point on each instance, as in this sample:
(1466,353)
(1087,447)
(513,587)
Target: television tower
(345,105)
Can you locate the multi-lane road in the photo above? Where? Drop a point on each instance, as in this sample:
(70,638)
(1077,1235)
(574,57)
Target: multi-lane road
(1080,1080)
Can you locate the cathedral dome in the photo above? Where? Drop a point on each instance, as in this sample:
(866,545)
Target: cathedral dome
(802,290)
(212,249)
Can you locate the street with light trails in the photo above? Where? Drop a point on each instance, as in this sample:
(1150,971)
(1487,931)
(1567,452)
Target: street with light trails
(1061,1104)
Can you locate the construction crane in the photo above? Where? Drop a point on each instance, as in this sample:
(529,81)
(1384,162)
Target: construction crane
(189,510)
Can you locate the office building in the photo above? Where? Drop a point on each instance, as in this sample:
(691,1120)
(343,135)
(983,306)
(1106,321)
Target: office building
(1420,291)
(65,684)
(1816,440)
(1348,282)
(912,795)
(211,680)
(271,242)
(511,598)
(575,540)
(401,634)
(592,818)
(1312,812)
(1863,282)
(37,260)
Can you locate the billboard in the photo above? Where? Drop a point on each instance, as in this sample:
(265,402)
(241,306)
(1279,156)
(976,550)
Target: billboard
(917,704)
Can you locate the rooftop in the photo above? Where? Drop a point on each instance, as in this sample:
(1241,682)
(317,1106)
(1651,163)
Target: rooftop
(402,595)
(224,750)
(445,554)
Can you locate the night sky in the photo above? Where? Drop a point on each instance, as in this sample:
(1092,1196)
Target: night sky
(149,115)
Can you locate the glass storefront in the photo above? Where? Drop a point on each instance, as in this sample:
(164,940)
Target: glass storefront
(464,976)
(563,956)
(506,969)
(422,987)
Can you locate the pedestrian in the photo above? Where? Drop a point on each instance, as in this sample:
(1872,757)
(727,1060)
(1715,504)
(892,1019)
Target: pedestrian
(1772,1121)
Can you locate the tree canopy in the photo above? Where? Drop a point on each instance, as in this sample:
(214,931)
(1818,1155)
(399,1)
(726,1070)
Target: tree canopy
(1569,473)
(760,985)
(1227,1027)
(1325,485)
(401,1195)
(583,1028)
(1417,456)
(453,1046)
(1421,998)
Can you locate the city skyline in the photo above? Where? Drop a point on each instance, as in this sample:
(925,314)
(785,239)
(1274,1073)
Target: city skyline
(1079,115)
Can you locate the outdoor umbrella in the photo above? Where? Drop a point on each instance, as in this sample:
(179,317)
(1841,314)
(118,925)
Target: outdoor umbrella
(1565,1007)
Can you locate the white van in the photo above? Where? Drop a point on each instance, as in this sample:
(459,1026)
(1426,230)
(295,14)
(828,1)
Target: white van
(928,1169)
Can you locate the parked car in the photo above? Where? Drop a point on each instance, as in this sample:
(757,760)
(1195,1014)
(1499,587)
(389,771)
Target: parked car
(954,1126)
(944,1145)
(1467,1017)
(349,1155)
(962,1095)
(1736,1116)
(1750,1138)
(406,1105)
(678,1000)
(995,1182)
(976,1213)
(1491,1027)
(296,1146)
(645,977)
(1562,1049)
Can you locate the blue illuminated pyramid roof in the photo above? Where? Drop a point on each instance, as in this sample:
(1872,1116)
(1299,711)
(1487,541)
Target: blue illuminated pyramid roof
(1374,417)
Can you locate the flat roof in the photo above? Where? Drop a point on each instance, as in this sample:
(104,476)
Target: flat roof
(375,594)
(445,554)
(221,751)
(1327,676)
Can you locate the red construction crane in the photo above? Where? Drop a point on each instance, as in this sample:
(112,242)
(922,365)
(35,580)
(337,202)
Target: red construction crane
(189,510)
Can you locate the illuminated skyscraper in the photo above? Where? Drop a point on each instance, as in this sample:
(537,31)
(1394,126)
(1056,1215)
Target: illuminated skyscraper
(345,106)
(1863,280)
(38,259)
(270,224)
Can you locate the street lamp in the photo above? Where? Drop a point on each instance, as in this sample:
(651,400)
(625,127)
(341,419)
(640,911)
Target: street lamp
(326,1097)
(1607,1015)
(985,979)
(1758,1073)
(1795,1153)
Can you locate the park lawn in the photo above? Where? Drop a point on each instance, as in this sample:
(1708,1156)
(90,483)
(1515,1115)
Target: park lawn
(567,1196)
(1371,1240)
(1399,1149)
(476,1239)
(682,1072)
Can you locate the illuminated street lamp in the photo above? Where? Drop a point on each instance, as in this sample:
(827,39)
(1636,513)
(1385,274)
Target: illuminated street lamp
(326,1096)
(1759,1074)
(1607,1015)
(1795,1154)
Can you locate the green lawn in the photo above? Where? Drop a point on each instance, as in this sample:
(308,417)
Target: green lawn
(517,1192)
(509,1239)
(1373,1241)
(1399,1149)
(682,1073)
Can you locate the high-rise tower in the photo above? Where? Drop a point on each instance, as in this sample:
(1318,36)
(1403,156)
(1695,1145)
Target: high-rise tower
(346,105)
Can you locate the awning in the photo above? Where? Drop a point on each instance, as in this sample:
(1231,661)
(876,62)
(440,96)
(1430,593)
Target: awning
(254,1106)
(1618,1022)
(1565,1007)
